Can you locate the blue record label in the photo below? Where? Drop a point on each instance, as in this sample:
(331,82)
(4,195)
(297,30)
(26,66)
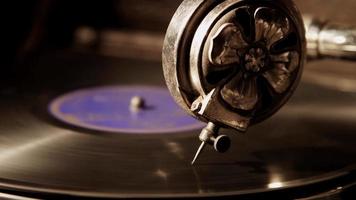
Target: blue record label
(123,109)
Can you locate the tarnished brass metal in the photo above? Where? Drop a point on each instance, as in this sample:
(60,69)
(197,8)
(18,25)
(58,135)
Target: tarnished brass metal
(234,63)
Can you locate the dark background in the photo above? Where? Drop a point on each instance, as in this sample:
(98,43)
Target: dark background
(28,25)
(114,30)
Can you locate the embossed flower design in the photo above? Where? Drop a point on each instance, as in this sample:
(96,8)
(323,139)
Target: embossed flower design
(262,52)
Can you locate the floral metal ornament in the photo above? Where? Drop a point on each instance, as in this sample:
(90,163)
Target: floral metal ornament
(233,63)
(253,59)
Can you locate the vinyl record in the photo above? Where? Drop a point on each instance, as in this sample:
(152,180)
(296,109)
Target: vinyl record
(306,149)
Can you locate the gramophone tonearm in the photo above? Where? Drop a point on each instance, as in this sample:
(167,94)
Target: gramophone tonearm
(234,63)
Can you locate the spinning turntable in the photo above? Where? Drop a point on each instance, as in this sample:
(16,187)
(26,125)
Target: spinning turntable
(82,125)
(310,152)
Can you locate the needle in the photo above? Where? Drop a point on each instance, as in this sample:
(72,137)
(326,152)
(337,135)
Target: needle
(198,152)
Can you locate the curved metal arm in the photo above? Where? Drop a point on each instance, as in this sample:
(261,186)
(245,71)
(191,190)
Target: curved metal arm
(325,39)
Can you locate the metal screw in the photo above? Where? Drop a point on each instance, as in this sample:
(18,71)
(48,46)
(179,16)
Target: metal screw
(137,103)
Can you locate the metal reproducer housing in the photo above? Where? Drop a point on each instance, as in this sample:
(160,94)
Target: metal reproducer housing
(234,63)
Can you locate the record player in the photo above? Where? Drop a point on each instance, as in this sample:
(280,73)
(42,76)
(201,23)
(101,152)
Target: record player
(87,112)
